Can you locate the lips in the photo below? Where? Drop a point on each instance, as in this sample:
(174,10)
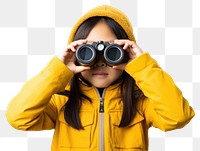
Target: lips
(100,74)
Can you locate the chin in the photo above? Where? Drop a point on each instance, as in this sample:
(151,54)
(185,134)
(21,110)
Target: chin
(100,86)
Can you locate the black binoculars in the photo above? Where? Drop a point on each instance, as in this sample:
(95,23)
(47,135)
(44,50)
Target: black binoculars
(113,54)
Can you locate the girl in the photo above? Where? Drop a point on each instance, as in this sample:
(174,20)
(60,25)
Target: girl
(100,107)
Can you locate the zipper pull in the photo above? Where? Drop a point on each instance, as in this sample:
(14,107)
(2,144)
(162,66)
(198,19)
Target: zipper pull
(101,109)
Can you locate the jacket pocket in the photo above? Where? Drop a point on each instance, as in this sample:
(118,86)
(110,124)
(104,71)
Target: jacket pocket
(129,137)
(73,138)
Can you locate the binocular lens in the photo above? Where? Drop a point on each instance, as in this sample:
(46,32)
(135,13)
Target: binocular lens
(85,53)
(113,54)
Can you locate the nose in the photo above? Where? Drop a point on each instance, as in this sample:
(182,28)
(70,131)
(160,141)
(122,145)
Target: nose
(100,62)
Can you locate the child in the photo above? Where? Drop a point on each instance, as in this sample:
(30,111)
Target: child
(100,106)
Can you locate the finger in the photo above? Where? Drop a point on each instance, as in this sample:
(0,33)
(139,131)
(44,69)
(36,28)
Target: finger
(73,49)
(82,68)
(119,42)
(82,41)
(73,46)
(126,46)
(133,45)
(78,42)
(120,66)
(67,48)
(125,43)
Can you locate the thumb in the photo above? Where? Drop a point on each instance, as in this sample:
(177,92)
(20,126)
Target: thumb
(81,69)
(120,66)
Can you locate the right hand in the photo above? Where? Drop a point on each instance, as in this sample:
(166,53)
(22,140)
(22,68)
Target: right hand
(68,56)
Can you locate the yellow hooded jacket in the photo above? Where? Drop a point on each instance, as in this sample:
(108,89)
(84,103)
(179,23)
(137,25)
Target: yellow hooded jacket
(38,107)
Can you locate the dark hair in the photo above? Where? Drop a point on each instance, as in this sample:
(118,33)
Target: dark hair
(130,96)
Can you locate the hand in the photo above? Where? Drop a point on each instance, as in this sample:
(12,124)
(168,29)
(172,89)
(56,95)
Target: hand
(68,56)
(132,49)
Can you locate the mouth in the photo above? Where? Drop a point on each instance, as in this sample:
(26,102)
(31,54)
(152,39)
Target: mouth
(100,74)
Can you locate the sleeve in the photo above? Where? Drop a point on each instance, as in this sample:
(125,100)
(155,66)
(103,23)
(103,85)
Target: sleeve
(164,106)
(34,107)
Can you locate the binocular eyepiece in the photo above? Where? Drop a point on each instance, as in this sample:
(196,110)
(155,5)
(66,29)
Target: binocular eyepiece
(113,54)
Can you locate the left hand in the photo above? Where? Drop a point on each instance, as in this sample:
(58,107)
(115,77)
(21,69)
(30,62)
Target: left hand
(131,48)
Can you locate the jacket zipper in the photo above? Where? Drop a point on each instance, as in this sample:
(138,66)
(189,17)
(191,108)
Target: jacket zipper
(101,125)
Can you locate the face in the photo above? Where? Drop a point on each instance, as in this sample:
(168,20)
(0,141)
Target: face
(101,75)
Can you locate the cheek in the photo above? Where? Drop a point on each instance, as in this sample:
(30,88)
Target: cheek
(116,74)
(85,74)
